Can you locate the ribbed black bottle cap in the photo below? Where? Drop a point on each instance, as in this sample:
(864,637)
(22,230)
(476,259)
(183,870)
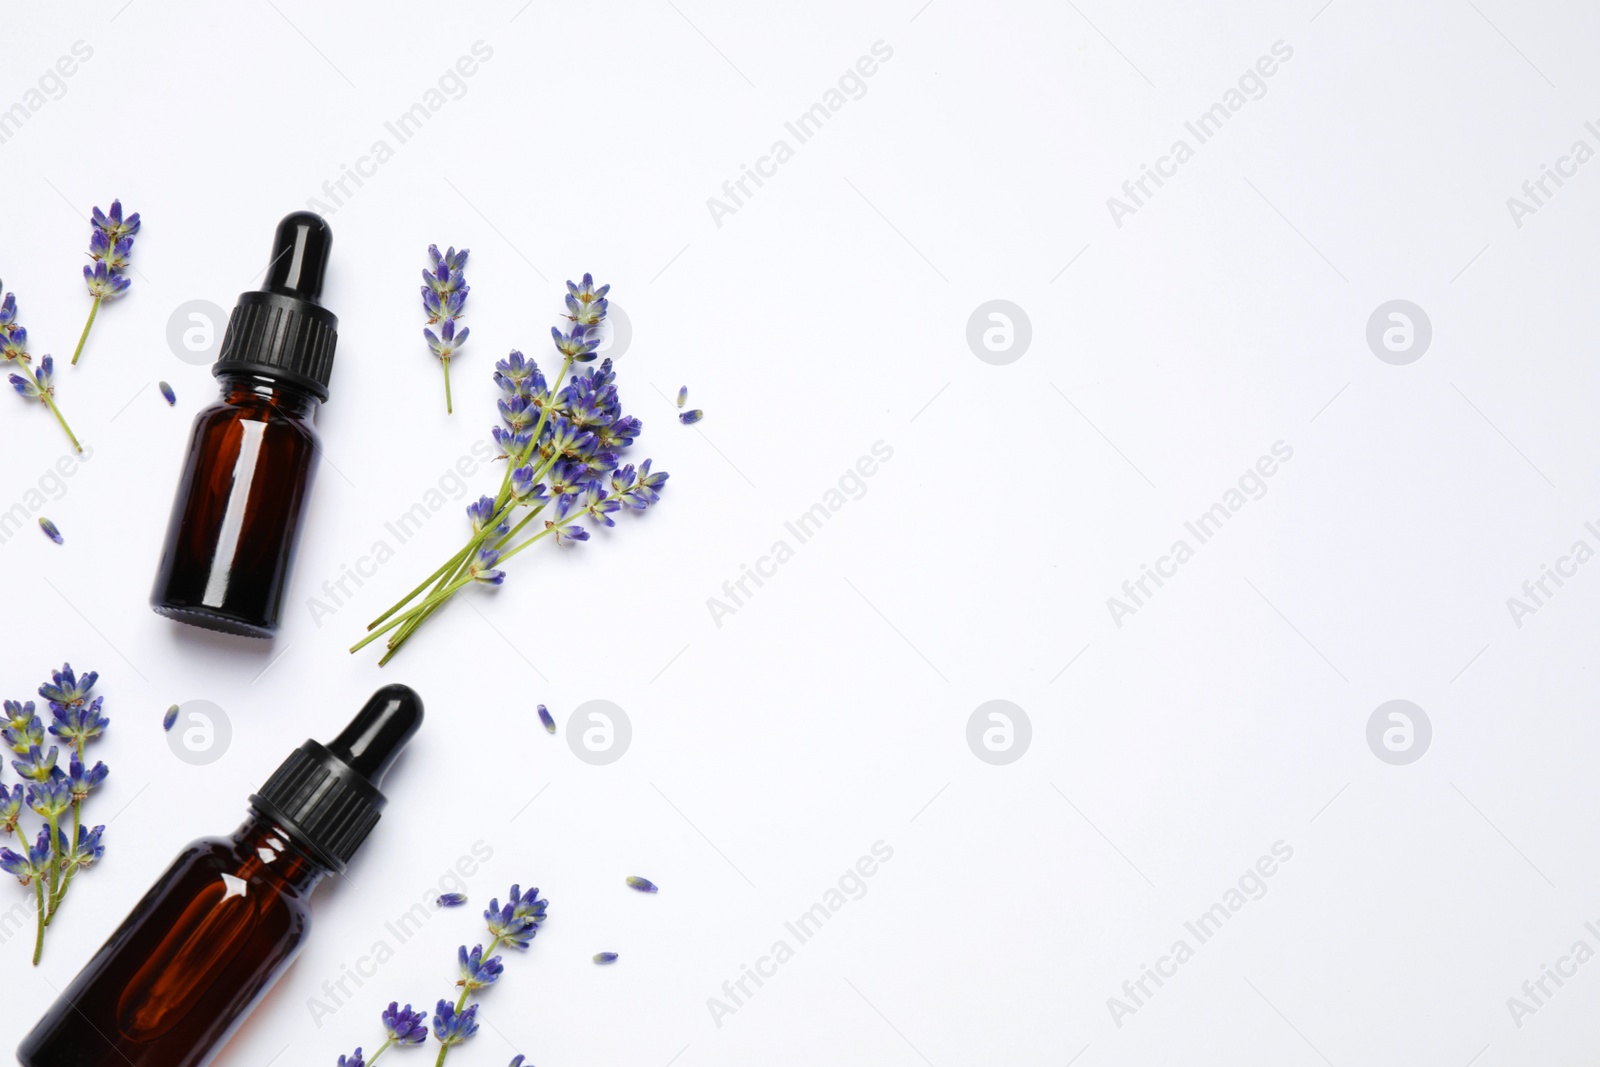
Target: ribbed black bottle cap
(326,796)
(280,330)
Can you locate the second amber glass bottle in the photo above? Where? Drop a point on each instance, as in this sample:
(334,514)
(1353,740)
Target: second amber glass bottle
(241,500)
(214,933)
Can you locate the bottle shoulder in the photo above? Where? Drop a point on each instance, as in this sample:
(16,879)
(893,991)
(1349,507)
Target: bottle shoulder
(248,863)
(251,407)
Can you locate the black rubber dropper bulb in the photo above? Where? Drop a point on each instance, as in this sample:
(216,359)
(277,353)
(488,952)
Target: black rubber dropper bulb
(326,796)
(374,738)
(299,256)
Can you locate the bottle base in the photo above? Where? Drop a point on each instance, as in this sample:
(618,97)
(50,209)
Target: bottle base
(208,619)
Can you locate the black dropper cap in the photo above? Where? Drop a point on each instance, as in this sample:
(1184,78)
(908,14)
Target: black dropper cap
(326,796)
(280,330)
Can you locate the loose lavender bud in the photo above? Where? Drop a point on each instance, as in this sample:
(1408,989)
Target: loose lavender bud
(49,528)
(452,900)
(544,717)
(683,394)
(605,957)
(169,718)
(643,885)
(689,418)
(166,391)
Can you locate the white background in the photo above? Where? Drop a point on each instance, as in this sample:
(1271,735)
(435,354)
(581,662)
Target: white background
(829,712)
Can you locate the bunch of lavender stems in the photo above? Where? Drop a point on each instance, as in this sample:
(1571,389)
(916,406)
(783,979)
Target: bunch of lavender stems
(512,925)
(110,243)
(562,442)
(48,865)
(444,296)
(30,386)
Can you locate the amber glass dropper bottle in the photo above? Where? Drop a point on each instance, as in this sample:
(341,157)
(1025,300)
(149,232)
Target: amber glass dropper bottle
(241,499)
(227,918)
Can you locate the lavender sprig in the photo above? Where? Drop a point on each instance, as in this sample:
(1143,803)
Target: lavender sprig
(444,295)
(562,441)
(513,924)
(110,243)
(14,349)
(50,863)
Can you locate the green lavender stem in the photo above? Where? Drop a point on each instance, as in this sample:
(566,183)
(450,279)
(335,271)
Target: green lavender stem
(94,309)
(449,571)
(38,939)
(434,599)
(449,409)
(55,863)
(448,578)
(381,1050)
(77,820)
(50,403)
(448,565)
(398,620)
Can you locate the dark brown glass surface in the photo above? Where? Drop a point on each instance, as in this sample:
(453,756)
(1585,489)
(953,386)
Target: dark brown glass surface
(185,968)
(236,516)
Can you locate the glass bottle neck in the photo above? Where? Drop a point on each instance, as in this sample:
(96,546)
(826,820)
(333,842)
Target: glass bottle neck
(281,857)
(290,399)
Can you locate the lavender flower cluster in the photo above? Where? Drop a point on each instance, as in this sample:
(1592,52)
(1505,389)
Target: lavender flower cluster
(110,243)
(564,446)
(444,296)
(563,442)
(513,924)
(50,862)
